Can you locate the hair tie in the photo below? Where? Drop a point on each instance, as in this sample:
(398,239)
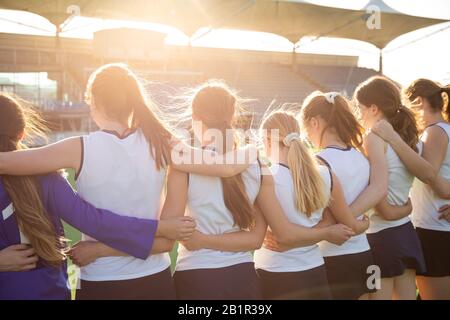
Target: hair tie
(290,137)
(330,96)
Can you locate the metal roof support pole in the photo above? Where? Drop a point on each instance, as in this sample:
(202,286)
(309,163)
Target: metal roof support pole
(380,63)
(294,58)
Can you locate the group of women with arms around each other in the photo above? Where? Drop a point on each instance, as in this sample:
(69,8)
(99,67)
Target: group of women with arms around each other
(301,225)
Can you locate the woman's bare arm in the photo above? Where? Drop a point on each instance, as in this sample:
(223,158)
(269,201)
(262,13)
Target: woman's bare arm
(378,185)
(206,162)
(60,155)
(239,241)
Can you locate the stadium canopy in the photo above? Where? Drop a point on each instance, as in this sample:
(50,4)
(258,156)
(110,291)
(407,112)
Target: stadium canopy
(291,19)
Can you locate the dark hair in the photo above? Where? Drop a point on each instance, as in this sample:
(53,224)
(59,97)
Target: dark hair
(117,91)
(437,95)
(16,120)
(338,115)
(385,94)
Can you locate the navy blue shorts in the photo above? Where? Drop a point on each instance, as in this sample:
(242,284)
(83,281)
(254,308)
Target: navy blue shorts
(237,282)
(396,249)
(348,274)
(436,250)
(309,284)
(158,286)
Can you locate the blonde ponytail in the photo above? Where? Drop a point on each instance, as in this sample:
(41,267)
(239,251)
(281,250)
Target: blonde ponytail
(309,187)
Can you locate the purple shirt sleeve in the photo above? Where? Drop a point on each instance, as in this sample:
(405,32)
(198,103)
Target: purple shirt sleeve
(131,235)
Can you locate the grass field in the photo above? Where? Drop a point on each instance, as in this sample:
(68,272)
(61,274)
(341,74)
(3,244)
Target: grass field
(75,236)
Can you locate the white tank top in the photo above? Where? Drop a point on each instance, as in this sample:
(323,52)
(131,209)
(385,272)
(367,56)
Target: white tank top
(120,175)
(353,172)
(425,201)
(400,181)
(301,258)
(206,205)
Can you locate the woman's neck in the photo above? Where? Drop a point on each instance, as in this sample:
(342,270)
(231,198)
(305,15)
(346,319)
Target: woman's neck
(331,139)
(430,118)
(115,126)
(281,157)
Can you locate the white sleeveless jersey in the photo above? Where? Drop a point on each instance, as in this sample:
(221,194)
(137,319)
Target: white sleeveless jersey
(297,259)
(400,181)
(425,201)
(120,175)
(206,205)
(353,172)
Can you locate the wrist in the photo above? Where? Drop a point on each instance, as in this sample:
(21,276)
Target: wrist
(394,139)
(161,228)
(325,233)
(100,250)
(205,241)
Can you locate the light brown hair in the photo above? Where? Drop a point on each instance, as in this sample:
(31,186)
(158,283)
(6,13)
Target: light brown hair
(337,115)
(18,119)
(436,94)
(216,106)
(116,90)
(385,94)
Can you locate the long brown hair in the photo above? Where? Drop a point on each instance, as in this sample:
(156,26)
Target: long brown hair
(116,90)
(309,188)
(16,120)
(215,105)
(337,115)
(385,94)
(436,94)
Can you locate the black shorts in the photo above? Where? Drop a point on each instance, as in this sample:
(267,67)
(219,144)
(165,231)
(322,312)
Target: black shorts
(436,250)
(309,284)
(237,282)
(396,249)
(157,286)
(348,274)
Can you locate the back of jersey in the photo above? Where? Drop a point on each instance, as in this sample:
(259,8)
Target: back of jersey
(119,174)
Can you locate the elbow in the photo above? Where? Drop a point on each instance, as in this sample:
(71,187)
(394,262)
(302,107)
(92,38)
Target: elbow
(387,216)
(285,239)
(167,246)
(257,242)
(444,194)
(383,192)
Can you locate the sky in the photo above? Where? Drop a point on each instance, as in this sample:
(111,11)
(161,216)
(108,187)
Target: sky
(421,53)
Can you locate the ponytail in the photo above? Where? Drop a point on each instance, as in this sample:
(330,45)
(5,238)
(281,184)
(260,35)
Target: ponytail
(404,123)
(157,135)
(309,187)
(215,104)
(234,193)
